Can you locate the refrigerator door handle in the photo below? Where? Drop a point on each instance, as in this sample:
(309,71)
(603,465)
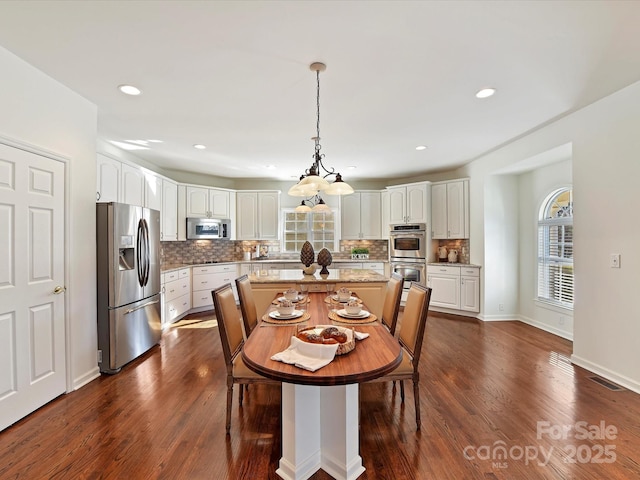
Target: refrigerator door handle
(131,310)
(147,262)
(139,267)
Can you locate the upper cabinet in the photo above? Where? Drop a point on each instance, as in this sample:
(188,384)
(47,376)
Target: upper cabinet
(133,184)
(108,181)
(205,202)
(153,191)
(450,209)
(258,215)
(409,203)
(169,217)
(361,216)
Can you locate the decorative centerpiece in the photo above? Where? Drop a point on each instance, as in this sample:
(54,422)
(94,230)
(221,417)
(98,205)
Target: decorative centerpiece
(307,256)
(324,260)
(359,253)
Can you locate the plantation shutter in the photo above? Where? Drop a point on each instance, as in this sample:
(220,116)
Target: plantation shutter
(555,261)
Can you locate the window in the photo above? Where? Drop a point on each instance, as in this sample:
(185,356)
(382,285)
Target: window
(319,228)
(555,249)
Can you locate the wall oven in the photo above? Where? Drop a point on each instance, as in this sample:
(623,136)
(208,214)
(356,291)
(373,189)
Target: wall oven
(408,253)
(408,241)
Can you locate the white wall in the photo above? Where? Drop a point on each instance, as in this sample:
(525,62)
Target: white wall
(40,112)
(606,170)
(533,188)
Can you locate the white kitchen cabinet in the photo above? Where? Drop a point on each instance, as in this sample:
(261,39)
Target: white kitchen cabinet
(207,278)
(153,191)
(450,209)
(361,216)
(203,202)
(176,294)
(454,287)
(258,215)
(169,217)
(385,215)
(108,179)
(409,203)
(133,183)
(470,289)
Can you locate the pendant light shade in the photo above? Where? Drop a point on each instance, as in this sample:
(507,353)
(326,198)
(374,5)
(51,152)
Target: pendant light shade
(321,206)
(303,207)
(312,182)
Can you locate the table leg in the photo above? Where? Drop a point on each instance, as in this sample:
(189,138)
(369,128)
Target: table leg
(320,430)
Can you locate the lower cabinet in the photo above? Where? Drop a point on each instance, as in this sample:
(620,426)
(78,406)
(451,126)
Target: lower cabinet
(206,279)
(454,287)
(176,294)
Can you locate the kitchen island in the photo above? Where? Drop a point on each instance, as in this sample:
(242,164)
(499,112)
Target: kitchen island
(370,286)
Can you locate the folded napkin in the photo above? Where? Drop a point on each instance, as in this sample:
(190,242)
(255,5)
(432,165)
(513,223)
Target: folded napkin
(310,356)
(360,335)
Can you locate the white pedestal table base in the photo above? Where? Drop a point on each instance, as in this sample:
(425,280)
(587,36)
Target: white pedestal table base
(320,431)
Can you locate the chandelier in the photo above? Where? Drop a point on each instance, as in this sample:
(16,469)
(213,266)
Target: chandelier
(313,180)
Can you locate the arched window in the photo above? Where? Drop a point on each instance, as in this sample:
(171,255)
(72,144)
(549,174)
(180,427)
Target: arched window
(555,249)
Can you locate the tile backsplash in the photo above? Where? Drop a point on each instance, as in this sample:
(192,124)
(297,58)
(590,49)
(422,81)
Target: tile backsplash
(200,251)
(461,245)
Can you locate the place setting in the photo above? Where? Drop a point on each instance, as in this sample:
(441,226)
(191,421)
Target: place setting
(293,296)
(352,313)
(288,311)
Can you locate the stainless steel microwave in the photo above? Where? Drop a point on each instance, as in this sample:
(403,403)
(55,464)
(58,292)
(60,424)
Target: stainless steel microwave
(208,228)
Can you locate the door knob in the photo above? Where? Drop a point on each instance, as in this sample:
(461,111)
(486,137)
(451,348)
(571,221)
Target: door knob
(58,290)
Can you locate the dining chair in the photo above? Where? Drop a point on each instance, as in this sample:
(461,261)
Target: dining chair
(230,328)
(391,305)
(247,304)
(411,335)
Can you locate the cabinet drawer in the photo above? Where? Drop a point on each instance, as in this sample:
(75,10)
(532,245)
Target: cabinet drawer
(373,265)
(215,269)
(184,272)
(469,272)
(171,276)
(201,298)
(204,282)
(177,288)
(442,270)
(177,307)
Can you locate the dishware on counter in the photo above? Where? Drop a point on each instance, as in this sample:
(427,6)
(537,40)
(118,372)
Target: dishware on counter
(442,253)
(344,294)
(291,294)
(285,308)
(353,307)
(453,256)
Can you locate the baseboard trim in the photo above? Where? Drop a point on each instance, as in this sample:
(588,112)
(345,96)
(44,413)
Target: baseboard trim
(463,313)
(547,328)
(497,318)
(86,378)
(604,372)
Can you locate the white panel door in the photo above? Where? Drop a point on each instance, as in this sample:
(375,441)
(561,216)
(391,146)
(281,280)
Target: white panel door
(219,203)
(169,217)
(268,215)
(153,191)
(370,217)
(32,328)
(397,205)
(417,204)
(198,202)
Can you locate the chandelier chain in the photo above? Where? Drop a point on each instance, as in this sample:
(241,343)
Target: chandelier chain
(318,110)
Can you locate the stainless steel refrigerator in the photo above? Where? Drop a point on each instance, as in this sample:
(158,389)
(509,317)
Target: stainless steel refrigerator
(128,253)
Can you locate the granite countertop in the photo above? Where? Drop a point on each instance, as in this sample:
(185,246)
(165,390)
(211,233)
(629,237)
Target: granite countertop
(176,266)
(447,264)
(335,275)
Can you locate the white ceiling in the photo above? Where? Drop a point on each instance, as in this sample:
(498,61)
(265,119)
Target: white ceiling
(234,76)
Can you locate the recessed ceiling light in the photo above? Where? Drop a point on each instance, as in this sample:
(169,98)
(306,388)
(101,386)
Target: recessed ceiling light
(270,167)
(129,89)
(199,146)
(352,167)
(485,92)
(154,141)
(144,143)
(421,147)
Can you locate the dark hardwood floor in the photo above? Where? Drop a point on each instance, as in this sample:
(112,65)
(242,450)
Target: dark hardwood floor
(484,389)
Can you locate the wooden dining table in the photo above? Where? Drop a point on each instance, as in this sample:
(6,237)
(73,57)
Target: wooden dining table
(320,410)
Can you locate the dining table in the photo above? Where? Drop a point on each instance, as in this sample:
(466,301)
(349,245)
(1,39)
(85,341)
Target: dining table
(320,409)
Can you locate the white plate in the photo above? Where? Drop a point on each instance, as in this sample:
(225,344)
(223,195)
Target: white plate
(362,314)
(335,297)
(276,315)
(298,299)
